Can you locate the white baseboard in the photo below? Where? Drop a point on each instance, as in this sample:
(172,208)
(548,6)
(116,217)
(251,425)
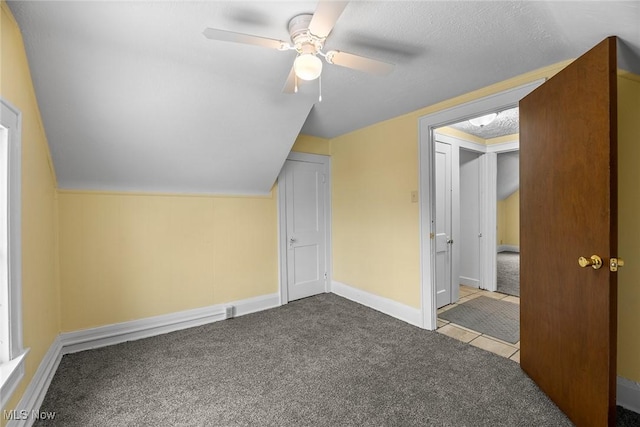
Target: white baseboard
(102,336)
(151,326)
(385,305)
(71,342)
(468,281)
(508,248)
(255,304)
(37,388)
(628,394)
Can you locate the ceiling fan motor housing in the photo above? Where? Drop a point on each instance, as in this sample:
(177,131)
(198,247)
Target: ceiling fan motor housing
(303,40)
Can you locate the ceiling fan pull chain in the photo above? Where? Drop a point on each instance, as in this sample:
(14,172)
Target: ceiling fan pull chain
(295,79)
(320,88)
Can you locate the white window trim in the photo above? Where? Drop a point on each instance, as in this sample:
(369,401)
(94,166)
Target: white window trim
(11,372)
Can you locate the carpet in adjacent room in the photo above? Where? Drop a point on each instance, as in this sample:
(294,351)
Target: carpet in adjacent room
(508,273)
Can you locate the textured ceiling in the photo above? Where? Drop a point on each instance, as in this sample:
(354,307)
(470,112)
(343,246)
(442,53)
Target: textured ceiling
(505,123)
(134,97)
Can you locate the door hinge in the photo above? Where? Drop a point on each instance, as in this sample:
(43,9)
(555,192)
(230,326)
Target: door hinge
(324,179)
(325,274)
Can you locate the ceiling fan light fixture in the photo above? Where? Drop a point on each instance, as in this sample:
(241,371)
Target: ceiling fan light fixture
(483,120)
(307,66)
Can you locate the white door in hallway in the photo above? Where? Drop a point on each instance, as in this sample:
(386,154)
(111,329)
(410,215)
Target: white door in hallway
(443,224)
(469,241)
(306,217)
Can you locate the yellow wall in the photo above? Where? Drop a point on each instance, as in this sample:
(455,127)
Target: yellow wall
(312,144)
(629,227)
(376,244)
(509,220)
(40,292)
(448,130)
(130,256)
(502,139)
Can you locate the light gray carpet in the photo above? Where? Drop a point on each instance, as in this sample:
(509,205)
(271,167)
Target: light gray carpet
(321,361)
(496,318)
(508,273)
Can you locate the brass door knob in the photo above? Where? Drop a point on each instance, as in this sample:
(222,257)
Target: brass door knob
(595,262)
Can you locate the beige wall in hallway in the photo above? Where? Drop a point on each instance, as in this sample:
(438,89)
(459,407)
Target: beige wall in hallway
(509,220)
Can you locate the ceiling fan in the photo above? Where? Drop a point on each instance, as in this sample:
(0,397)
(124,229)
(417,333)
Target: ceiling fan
(308,35)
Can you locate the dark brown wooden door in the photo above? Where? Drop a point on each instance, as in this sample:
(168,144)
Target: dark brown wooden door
(568,209)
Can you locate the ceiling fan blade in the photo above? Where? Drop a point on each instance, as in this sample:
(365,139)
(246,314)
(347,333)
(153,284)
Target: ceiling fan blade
(230,36)
(361,63)
(325,17)
(290,84)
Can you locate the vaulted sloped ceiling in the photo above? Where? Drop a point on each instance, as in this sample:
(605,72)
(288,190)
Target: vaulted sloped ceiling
(135,98)
(508,179)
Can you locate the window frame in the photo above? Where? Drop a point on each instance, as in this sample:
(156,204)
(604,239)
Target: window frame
(12,371)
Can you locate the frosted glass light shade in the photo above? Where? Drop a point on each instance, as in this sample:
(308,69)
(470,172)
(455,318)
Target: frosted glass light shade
(307,66)
(483,120)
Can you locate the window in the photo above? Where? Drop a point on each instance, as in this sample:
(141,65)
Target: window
(4,259)
(12,354)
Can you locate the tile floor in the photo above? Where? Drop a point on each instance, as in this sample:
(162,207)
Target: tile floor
(499,347)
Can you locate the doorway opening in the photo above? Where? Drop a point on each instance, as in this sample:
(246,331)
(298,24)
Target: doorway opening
(508,220)
(484,308)
(427,144)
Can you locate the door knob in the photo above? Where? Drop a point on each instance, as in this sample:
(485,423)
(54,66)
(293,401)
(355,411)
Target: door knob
(595,262)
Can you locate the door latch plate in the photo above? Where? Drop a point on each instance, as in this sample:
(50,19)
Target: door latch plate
(615,263)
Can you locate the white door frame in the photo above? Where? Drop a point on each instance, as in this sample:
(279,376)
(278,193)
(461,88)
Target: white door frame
(426,150)
(282,221)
